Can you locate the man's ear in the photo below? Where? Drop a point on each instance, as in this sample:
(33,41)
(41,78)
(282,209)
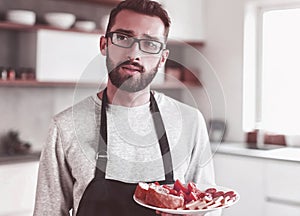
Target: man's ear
(103,45)
(164,57)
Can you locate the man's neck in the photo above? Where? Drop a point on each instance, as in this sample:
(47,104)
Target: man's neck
(123,98)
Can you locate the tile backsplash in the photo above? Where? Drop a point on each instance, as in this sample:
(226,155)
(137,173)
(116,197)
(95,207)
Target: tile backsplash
(29,110)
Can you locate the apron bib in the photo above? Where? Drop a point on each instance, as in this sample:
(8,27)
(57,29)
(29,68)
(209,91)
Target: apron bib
(105,197)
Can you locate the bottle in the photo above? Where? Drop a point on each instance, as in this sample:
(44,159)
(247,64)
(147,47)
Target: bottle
(3,74)
(260,140)
(11,74)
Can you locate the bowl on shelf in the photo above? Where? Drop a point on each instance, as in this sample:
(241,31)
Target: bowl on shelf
(21,16)
(85,25)
(60,20)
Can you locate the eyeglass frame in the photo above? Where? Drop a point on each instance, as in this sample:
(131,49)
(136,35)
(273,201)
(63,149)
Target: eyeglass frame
(135,40)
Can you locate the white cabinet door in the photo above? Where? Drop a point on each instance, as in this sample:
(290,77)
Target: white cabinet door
(62,56)
(280,209)
(282,188)
(17,188)
(245,176)
(283,180)
(187,19)
(65,56)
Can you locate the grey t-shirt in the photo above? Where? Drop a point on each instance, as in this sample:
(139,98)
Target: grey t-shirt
(68,159)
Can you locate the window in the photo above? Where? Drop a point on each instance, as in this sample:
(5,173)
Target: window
(272,69)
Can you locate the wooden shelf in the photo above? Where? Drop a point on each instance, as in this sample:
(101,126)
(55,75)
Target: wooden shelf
(174,86)
(183,43)
(100,2)
(21,27)
(20,158)
(34,83)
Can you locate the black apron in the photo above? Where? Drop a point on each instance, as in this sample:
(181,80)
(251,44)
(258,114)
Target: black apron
(104,197)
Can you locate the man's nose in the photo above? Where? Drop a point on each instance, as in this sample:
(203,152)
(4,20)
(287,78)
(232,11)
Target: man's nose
(134,52)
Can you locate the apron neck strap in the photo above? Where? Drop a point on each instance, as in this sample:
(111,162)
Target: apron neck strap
(159,129)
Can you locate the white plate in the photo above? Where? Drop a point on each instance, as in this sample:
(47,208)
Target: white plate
(199,211)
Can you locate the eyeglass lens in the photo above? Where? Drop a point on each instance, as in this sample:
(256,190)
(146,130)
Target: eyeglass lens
(145,45)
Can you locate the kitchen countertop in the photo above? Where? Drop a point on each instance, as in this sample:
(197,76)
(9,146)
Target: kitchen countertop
(9,159)
(230,148)
(266,152)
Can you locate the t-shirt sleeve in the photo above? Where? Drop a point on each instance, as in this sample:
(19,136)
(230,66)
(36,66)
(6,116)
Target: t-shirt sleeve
(55,183)
(201,168)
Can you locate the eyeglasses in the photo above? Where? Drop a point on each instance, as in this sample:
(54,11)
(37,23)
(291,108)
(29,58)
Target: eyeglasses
(146,45)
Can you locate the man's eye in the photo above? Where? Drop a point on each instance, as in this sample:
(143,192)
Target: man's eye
(122,37)
(151,44)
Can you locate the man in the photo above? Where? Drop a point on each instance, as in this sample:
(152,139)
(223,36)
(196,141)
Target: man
(98,150)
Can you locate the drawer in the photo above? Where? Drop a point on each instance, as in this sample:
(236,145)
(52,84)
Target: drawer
(276,208)
(282,181)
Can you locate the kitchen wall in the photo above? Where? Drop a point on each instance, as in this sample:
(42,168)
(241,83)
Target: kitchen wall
(220,65)
(29,110)
(224,50)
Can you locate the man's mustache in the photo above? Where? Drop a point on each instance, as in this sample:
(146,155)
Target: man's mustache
(128,62)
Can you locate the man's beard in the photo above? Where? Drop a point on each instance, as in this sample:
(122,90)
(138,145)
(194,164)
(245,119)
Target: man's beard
(130,83)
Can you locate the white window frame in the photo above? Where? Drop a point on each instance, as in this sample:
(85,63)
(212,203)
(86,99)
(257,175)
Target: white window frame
(252,65)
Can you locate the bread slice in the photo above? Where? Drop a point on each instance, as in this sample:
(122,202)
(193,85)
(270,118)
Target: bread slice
(141,190)
(157,196)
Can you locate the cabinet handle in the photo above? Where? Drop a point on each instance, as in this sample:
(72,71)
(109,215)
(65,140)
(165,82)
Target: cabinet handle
(283,201)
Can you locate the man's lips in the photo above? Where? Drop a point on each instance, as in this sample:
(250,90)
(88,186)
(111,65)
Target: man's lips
(132,68)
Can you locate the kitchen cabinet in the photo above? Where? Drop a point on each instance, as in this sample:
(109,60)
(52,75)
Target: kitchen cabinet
(243,174)
(280,209)
(57,55)
(267,187)
(63,56)
(18,185)
(282,188)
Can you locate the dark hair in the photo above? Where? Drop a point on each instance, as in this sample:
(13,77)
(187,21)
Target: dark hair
(146,7)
